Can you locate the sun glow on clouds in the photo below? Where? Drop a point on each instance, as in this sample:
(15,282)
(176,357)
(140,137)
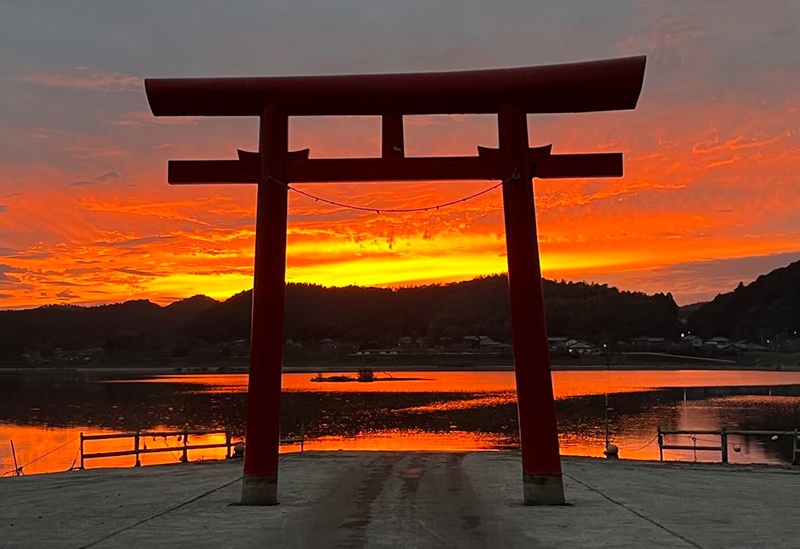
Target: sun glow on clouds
(711,158)
(106,241)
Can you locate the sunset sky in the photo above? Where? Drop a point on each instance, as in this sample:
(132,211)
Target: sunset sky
(710,196)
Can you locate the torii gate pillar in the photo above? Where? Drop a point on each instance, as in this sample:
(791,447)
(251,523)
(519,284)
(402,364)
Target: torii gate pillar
(541,465)
(263,430)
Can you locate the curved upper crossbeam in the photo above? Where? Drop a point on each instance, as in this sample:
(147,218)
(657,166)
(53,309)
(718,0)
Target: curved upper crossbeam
(606,85)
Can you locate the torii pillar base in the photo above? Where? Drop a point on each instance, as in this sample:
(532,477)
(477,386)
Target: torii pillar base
(259,490)
(542,489)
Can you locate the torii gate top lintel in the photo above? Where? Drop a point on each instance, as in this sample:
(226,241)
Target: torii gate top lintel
(606,85)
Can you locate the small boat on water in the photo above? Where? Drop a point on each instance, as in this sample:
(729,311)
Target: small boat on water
(363,376)
(319,378)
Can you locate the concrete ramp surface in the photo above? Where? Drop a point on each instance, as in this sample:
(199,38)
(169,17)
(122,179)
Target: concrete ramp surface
(404,500)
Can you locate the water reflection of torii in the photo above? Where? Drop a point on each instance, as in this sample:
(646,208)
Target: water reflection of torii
(511,94)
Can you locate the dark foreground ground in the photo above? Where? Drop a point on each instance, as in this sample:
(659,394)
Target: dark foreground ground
(383,499)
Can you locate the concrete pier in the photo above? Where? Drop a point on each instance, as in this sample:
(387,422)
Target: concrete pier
(409,500)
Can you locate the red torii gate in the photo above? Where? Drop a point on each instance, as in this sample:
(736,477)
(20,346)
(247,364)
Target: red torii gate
(511,94)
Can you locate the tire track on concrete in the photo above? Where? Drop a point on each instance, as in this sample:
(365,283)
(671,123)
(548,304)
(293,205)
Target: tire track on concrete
(483,523)
(342,516)
(412,476)
(446,510)
(458,485)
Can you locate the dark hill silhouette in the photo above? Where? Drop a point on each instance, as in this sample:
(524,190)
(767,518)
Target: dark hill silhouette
(685,312)
(72,327)
(353,314)
(766,308)
(476,307)
(178,312)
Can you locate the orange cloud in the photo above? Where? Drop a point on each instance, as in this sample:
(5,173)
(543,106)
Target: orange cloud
(689,194)
(84,78)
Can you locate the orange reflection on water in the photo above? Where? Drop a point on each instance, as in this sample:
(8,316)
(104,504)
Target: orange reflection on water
(38,449)
(46,450)
(405,441)
(566,384)
(43,449)
(582,383)
(466,404)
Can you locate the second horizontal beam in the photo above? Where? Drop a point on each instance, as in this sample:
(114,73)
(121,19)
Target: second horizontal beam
(334,170)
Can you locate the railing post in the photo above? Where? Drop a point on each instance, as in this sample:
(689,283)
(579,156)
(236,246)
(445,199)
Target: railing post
(17,468)
(303,435)
(795,448)
(82,467)
(136,449)
(227,443)
(185,457)
(660,444)
(723,436)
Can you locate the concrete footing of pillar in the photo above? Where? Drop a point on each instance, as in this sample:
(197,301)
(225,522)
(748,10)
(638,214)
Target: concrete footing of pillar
(260,490)
(543,489)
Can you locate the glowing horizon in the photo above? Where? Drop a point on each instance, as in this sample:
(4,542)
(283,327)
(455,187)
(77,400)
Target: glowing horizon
(710,196)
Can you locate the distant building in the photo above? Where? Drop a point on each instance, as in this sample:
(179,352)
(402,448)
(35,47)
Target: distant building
(647,340)
(486,342)
(33,356)
(792,345)
(747,346)
(693,341)
(471,342)
(292,343)
(483,343)
(327,344)
(408,342)
(574,346)
(718,343)
(374,352)
(649,343)
(557,343)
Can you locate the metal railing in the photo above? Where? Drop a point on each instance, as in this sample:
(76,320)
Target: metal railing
(723,434)
(139,449)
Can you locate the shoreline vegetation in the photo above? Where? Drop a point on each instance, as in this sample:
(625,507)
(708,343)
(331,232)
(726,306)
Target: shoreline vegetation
(458,326)
(463,362)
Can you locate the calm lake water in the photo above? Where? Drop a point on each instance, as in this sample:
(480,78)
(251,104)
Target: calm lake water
(45,412)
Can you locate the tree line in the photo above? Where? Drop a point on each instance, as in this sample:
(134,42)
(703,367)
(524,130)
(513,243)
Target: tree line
(359,315)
